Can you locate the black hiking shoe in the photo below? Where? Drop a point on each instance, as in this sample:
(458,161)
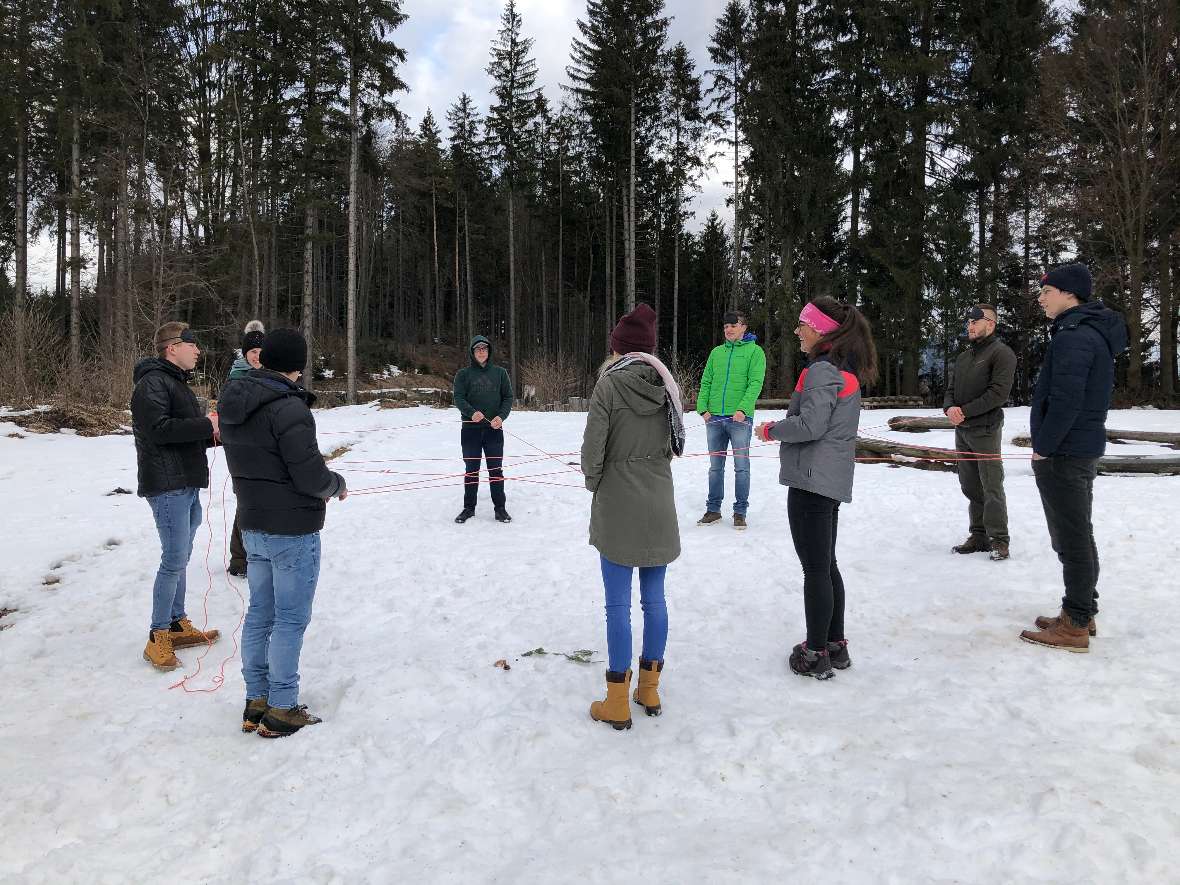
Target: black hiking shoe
(806,662)
(502,515)
(277,722)
(465,514)
(837,654)
(252,715)
(973,544)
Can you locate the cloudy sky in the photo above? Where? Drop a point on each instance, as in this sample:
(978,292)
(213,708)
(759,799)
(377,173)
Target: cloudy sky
(447,43)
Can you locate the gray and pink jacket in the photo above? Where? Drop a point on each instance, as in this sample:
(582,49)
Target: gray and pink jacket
(818,435)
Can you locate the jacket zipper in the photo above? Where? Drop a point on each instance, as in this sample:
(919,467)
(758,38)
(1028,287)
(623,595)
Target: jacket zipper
(725,386)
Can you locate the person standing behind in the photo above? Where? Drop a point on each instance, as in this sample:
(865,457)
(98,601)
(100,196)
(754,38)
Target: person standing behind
(816,461)
(730,385)
(171,436)
(252,338)
(1068,423)
(483,396)
(634,427)
(283,486)
(980,385)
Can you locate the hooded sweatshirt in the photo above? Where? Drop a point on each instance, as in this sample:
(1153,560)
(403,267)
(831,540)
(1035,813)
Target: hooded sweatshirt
(1072,396)
(485,388)
(280,477)
(171,433)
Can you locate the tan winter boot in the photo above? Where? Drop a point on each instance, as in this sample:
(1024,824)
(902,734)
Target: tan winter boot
(159,652)
(1044,622)
(647,693)
(252,716)
(1063,635)
(185,634)
(615,711)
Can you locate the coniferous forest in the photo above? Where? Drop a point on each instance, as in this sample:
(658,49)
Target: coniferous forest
(220,160)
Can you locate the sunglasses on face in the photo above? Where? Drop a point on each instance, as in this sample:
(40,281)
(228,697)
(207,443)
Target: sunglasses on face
(185,337)
(974,315)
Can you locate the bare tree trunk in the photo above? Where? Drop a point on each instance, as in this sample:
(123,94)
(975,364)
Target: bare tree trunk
(1166,326)
(676,285)
(458,278)
(75,248)
(737,196)
(560,259)
(353,164)
(471,317)
(629,231)
(124,335)
(512,283)
(309,232)
(438,302)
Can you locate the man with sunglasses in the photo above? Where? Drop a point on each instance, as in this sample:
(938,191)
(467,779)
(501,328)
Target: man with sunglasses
(975,395)
(171,435)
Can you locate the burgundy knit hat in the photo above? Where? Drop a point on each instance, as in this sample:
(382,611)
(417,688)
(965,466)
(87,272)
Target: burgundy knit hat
(635,331)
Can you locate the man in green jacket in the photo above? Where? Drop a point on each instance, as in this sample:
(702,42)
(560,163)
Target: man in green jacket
(975,395)
(729,388)
(483,396)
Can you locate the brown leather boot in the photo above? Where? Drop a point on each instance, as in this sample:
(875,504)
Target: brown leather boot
(159,651)
(973,544)
(615,711)
(184,634)
(251,717)
(647,692)
(1063,635)
(1044,622)
(711,517)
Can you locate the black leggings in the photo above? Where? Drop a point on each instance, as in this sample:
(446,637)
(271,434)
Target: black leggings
(813,520)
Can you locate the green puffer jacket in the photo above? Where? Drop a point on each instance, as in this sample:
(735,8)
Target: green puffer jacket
(733,378)
(626,458)
(486,388)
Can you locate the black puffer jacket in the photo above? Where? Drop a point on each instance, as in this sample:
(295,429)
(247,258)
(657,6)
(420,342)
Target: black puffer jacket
(1069,405)
(280,477)
(171,434)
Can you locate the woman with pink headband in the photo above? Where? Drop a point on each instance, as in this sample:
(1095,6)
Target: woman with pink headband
(816,460)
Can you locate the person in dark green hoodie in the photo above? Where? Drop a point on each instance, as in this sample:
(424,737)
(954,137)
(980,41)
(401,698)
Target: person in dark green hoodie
(483,396)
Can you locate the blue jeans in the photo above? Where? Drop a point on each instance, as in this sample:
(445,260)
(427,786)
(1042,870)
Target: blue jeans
(617,580)
(177,515)
(282,571)
(720,433)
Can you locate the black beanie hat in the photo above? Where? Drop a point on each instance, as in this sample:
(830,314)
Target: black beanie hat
(253,336)
(635,331)
(284,350)
(1072,278)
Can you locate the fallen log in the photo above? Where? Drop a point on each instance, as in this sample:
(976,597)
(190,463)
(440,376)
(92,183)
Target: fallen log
(916,424)
(900,454)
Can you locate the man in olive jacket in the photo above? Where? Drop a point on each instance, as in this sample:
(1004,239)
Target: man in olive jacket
(483,396)
(729,389)
(980,384)
(171,435)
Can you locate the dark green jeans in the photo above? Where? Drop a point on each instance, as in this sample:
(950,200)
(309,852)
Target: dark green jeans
(981,477)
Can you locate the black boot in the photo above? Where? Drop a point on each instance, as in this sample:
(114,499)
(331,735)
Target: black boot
(465,514)
(806,662)
(837,654)
(277,722)
(252,715)
(502,515)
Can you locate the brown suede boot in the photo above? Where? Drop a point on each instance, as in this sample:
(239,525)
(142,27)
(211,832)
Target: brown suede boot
(615,711)
(252,716)
(647,693)
(1063,635)
(1044,622)
(185,634)
(973,544)
(159,652)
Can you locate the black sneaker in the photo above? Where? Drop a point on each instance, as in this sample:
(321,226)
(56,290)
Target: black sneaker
(465,514)
(502,515)
(277,722)
(806,662)
(252,715)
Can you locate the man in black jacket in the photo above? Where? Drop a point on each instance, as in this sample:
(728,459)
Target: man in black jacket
(171,436)
(974,402)
(1068,422)
(282,485)
(483,396)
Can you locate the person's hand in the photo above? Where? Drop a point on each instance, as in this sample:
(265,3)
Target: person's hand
(343,494)
(497,423)
(956,415)
(477,417)
(739,416)
(1037,457)
(707,416)
(216,422)
(763,430)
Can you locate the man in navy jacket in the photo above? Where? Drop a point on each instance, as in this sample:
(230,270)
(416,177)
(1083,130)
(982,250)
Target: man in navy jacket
(1069,436)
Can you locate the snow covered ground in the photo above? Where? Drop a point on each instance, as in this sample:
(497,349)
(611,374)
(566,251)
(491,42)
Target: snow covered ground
(950,752)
